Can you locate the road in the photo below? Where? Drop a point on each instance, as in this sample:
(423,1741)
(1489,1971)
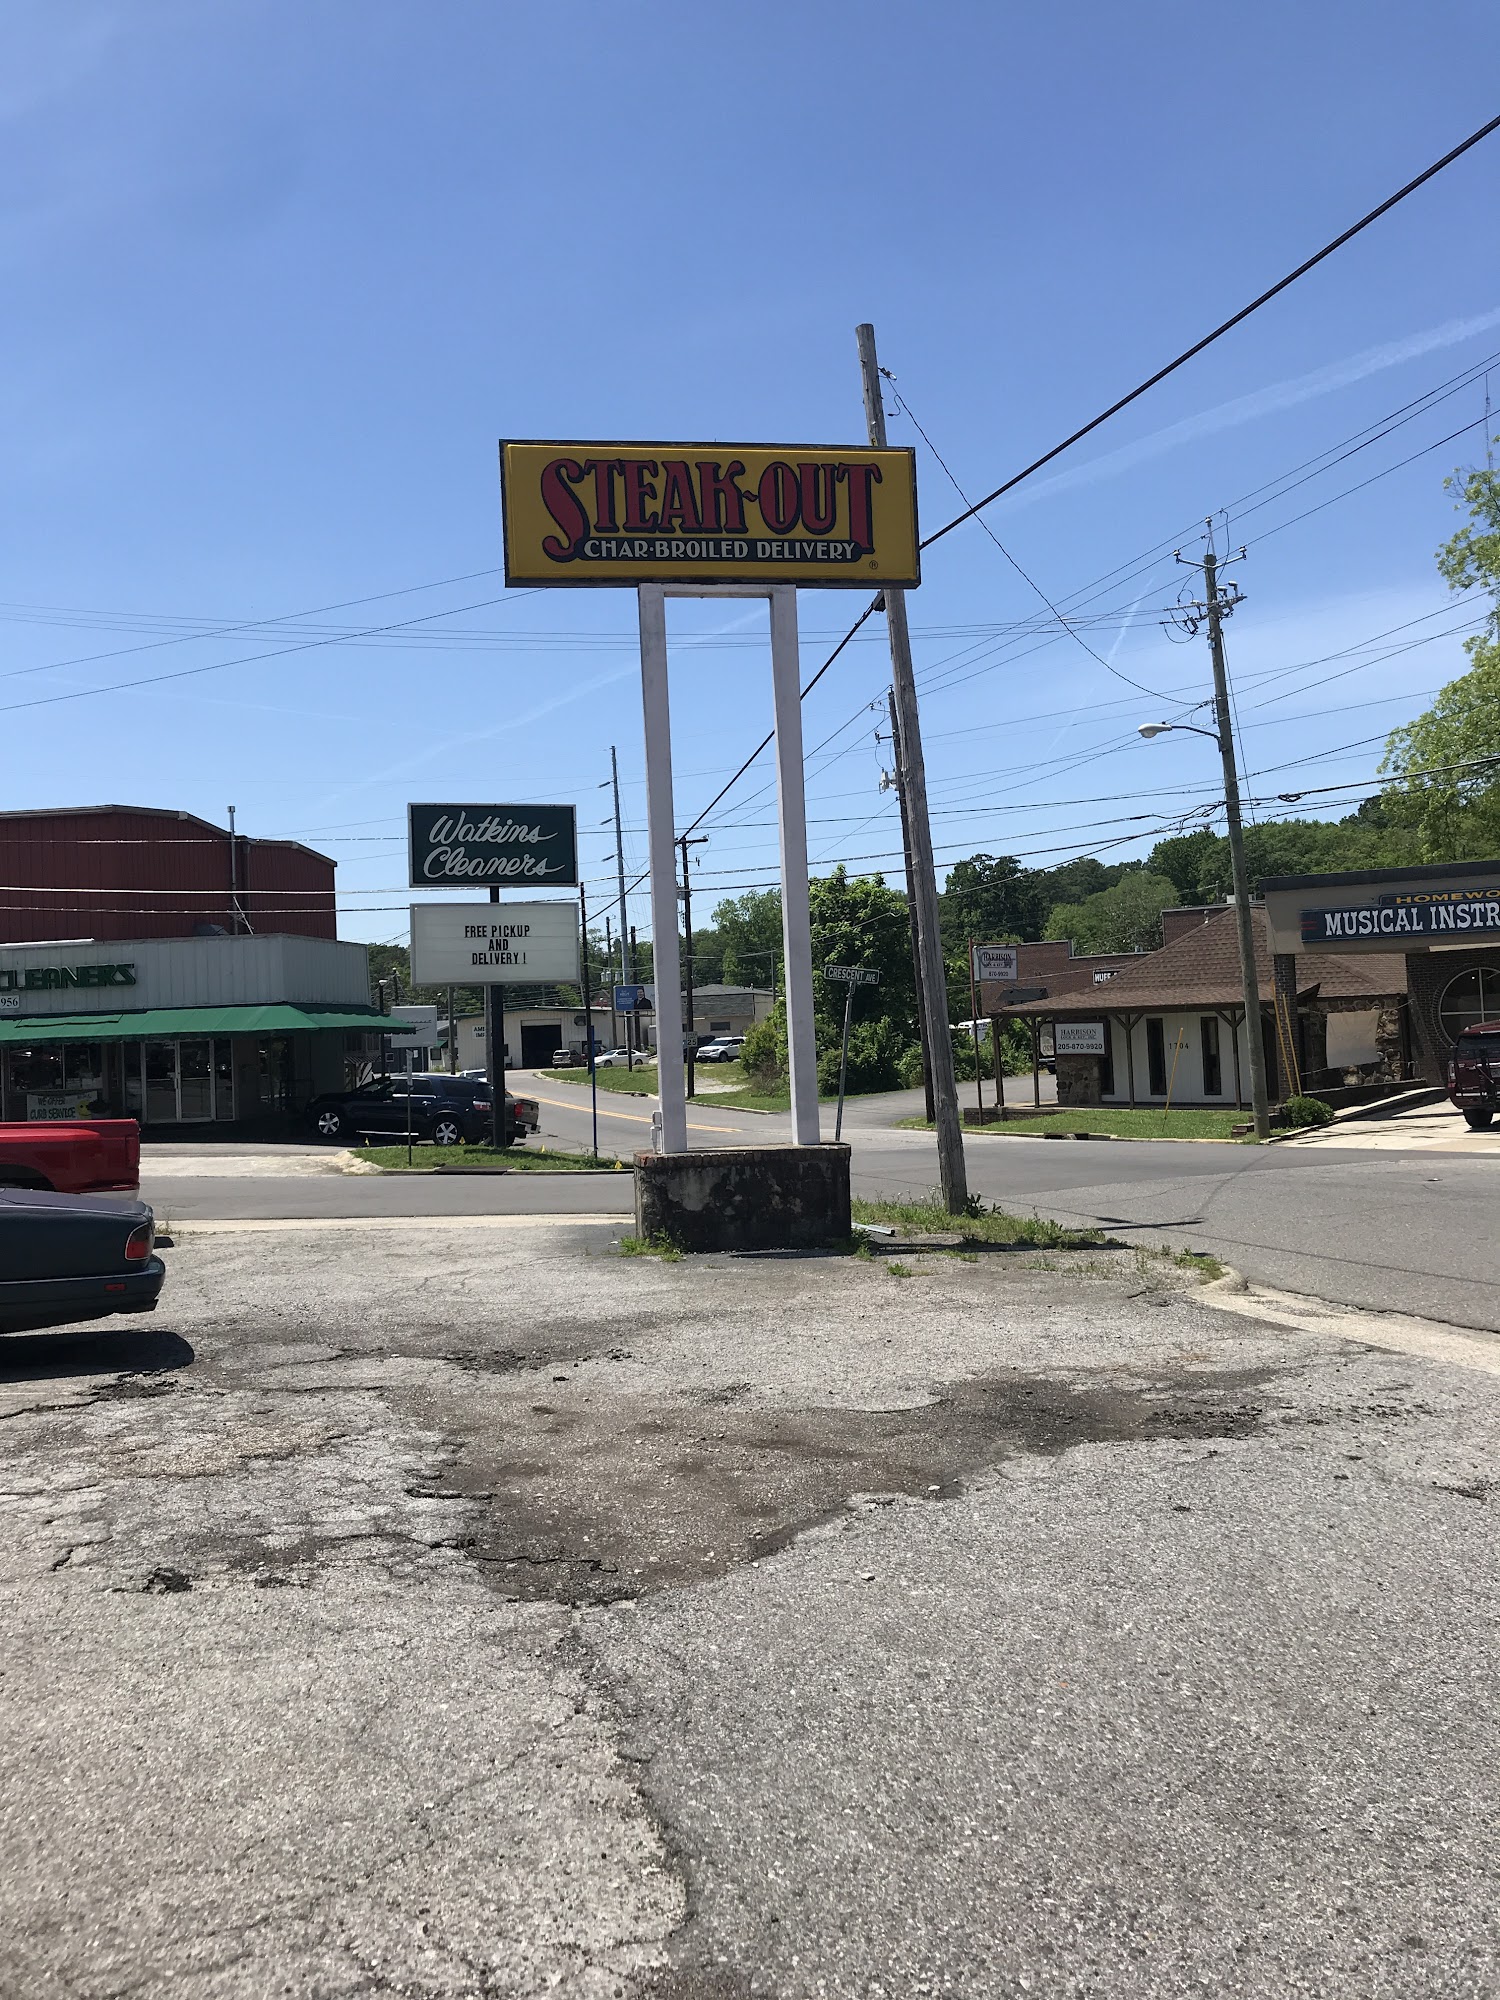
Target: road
(1383,1227)
(446,1611)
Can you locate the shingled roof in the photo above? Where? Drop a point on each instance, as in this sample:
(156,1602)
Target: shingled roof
(1201,968)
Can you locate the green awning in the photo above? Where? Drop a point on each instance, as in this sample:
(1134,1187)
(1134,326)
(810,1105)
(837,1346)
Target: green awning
(279,1019)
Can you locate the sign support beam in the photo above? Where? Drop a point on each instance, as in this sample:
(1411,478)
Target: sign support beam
(796,913)
(661,842)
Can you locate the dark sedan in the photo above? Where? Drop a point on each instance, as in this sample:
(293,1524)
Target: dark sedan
(70,1257)
(449,1110)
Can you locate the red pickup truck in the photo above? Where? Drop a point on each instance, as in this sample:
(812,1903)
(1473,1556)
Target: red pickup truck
(72,1156)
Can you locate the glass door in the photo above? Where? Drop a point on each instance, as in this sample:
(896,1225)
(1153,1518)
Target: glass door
(195,1082)
(161,1083)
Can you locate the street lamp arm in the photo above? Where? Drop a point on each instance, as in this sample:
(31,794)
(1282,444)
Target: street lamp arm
(1160,728)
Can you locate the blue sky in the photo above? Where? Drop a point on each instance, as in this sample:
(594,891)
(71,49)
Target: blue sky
(278,276)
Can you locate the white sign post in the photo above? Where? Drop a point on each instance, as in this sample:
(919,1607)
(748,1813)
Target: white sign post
(791,809)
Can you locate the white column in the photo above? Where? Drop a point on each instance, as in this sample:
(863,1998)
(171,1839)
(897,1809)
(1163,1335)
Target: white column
(660,831)
(791,813)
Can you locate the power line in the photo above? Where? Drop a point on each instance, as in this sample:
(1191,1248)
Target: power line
(252,659)
(1218,333)
(252,624)
(1027,579)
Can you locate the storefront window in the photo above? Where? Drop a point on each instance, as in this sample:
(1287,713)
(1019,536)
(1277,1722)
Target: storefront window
(1213,1082)
(1473,996)
(38,1069)
(223,1080)
(83,1068)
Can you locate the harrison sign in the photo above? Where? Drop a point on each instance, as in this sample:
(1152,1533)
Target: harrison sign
(617,514)
(451,847)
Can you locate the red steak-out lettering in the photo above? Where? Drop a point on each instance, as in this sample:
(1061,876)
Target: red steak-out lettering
(818,483)
(723,507)
(780,497)
(861,526)
(679,498)
(565,507)
(638,490)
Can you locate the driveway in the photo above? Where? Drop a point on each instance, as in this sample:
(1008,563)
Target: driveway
(463,1609)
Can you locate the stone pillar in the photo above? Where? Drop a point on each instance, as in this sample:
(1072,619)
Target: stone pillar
(1078,1080)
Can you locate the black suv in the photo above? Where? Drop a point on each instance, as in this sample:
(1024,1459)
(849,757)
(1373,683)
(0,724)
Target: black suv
(449,1110)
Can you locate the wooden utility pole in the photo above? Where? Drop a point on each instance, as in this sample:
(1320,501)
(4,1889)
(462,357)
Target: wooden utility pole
(913,771)
(1239,874)
(911,907)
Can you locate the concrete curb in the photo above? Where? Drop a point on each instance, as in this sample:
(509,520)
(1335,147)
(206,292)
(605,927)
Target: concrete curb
(1399,1333)
(183,1232)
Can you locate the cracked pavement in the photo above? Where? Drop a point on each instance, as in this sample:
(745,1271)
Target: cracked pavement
(445,1613)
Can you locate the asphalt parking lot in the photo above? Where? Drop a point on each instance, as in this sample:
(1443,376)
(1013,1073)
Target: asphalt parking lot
(461,1608)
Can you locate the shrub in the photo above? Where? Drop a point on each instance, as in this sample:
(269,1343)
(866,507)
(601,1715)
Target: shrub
(764,1055)
(878,1053)
(1307,1111)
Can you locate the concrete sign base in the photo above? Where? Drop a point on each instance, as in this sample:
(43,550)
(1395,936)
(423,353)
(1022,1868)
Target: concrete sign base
(745,1198)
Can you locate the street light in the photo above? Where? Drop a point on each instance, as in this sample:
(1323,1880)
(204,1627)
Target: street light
(1159,728)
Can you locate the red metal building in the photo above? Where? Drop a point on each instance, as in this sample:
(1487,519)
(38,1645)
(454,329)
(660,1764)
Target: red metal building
(113,872)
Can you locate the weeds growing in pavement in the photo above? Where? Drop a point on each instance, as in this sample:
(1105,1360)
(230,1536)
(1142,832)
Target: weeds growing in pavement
(648,1246)
(980,1222)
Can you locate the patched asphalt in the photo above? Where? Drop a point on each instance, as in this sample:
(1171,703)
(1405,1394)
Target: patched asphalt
(450,1611)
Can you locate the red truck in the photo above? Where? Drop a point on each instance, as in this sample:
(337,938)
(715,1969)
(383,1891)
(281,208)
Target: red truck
(72,1156)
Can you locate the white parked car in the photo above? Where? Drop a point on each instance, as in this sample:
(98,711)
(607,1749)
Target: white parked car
(723,1048)
(613,1059)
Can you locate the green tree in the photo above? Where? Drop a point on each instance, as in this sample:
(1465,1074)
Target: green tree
(742,944)
(992,899)
(1444,795)
(1190,862)
(1125,917)
(854,922)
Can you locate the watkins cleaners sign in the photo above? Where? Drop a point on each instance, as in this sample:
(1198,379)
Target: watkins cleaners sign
(828,515)
(461,847)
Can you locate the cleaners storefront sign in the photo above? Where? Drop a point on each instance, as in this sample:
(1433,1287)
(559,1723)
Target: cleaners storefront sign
(461,847)
(709,513)
(1467,913)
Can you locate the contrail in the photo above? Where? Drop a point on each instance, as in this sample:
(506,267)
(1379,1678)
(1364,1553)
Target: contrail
(1263,403)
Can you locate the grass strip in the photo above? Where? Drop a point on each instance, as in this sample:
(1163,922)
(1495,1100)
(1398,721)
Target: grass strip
(1119,1122)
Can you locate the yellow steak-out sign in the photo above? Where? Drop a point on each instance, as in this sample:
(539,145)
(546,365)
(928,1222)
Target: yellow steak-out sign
(828,515)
